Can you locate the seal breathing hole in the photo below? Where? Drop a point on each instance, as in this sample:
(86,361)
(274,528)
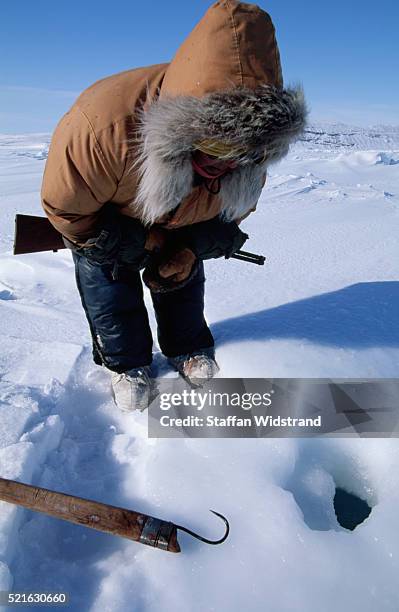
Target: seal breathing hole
(350,509)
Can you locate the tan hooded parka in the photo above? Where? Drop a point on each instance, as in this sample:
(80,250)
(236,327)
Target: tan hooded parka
(129,138)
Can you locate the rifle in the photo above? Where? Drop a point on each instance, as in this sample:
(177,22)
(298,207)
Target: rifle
(35,234)
(102,517)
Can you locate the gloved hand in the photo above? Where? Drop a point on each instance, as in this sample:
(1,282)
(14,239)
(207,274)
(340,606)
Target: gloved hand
(170,269)
(175,265)
(178,266)
(212,239)
(121,240)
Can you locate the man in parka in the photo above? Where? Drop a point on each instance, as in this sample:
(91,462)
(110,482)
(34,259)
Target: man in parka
(153,169)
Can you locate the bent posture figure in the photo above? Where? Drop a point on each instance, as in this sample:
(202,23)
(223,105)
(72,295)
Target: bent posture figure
(153,169)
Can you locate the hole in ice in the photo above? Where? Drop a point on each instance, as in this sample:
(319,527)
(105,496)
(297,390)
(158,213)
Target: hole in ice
(350,509)
(320,484)
(6,294)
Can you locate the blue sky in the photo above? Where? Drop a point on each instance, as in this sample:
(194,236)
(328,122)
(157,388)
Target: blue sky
(345,53)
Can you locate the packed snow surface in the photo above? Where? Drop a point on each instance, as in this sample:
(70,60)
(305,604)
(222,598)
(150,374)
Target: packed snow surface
(324,305)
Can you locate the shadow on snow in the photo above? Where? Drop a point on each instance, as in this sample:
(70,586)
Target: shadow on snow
(364,315)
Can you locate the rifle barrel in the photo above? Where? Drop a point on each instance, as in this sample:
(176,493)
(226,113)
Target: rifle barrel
(250,257)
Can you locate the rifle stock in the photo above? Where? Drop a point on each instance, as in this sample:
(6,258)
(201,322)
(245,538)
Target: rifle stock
(35,234)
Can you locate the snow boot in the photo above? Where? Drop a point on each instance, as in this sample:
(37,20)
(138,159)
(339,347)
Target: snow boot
(196,367)
(133,390)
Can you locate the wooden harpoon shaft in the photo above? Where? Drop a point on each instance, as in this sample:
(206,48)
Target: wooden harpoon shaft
(102,517)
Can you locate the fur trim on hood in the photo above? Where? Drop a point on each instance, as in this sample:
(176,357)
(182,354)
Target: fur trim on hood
(264,120)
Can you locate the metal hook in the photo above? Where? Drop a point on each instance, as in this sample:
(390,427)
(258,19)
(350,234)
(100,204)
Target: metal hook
(198,537)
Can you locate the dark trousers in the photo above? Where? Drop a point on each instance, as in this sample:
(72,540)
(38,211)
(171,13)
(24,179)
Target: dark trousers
(118,318)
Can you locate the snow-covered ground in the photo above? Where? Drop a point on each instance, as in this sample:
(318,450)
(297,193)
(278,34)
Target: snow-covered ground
(324,305)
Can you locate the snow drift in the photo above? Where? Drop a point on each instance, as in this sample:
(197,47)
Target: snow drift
(324,305)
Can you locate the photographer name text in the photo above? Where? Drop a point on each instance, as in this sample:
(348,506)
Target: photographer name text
(234,421)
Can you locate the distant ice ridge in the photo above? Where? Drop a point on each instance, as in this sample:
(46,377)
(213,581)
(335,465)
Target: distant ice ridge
(339,135)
